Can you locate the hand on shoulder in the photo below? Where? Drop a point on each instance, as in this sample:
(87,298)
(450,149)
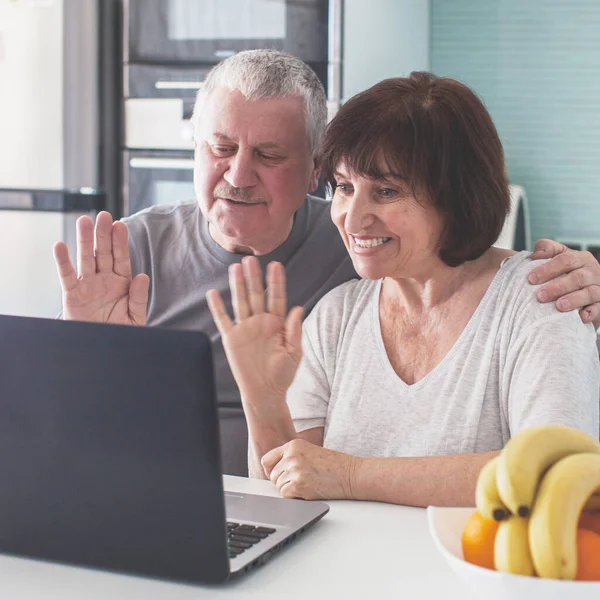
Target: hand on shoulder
(579,286)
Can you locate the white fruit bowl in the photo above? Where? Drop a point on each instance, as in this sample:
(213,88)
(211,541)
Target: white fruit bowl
(446,526)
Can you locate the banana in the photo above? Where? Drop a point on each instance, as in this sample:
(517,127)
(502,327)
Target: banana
(487,499)
(529,454)
(593,504)
(511,547)
(563,493)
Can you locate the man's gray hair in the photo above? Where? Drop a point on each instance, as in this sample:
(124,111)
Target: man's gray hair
(261,74)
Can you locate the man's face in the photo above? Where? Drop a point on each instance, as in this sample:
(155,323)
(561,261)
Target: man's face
(253,168)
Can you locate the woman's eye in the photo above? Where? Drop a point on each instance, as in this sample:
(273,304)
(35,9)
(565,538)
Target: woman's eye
(343,187)
(387,192)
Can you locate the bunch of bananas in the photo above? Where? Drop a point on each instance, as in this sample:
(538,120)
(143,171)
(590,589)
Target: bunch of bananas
(537,488)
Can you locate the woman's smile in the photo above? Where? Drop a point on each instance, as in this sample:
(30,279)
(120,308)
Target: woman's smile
(367,244)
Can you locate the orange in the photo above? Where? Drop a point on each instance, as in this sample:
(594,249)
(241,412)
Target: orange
(478,540)
(588,555)
(590,520)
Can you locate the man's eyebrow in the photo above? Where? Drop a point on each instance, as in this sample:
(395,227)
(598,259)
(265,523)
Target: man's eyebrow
(221,136)
(264,146)
(269,146)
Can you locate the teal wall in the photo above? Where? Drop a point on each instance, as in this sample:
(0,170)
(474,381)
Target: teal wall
(536,64)
(383,38)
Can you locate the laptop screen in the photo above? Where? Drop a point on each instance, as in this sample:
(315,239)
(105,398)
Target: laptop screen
(109,452)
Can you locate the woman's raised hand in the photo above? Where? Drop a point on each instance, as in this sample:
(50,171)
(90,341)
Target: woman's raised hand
(263,345)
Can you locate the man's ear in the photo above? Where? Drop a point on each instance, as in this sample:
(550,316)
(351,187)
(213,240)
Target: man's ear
(314,176)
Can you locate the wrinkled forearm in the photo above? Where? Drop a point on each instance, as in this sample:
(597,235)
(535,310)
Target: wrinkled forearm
(269,425)
(419,481)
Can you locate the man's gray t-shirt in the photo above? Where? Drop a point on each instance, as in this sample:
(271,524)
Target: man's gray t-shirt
(173,246)
(517,363)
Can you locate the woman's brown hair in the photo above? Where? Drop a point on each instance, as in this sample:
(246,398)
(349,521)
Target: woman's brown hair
(437,135)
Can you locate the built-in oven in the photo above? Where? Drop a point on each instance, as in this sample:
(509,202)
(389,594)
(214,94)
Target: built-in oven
(206,31)
(159,101)
(158,135)
(154,177)
(169,48)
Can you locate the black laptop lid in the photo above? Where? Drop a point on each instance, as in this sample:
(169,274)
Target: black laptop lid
(109,448)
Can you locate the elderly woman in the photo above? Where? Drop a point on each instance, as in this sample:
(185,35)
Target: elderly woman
(414,376)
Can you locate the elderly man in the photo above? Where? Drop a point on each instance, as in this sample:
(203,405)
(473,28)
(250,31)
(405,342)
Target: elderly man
(258,121)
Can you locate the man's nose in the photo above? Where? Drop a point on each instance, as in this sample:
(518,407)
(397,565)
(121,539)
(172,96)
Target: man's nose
(241,172)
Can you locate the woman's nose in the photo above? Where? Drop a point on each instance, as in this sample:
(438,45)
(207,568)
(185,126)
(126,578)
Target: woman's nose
(358,215)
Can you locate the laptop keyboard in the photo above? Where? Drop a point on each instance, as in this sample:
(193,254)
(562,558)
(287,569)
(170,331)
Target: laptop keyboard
(240,537)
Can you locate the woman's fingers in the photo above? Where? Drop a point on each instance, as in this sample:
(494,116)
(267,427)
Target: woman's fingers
(248,294)
(271,458)
(277,472)
(103,247)
(254,287)
(239,295)
(293,330)
(288,490)
(276,293)
(218,312)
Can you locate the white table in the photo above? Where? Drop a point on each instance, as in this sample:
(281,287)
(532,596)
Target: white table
(359,550)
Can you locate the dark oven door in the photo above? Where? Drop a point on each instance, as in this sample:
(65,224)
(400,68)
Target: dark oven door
(157,177)
(206,31)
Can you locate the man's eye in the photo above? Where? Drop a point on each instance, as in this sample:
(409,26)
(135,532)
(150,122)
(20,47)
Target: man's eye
(271,157)
(222,149)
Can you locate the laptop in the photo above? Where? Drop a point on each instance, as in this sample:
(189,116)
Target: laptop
(109,456)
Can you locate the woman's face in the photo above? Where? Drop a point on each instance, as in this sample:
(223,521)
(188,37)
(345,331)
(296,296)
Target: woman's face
(386,231)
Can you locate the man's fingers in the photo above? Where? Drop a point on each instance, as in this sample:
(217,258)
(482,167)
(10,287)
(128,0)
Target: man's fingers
(120,249)
(218,312)
(579,299)
(564,263)
(591,314)
(545,248)
(239,296)
(276,293)
(271,458)
(86,261)
(103,248)
(578,285)
(138,298)
(254,286)
(64,266)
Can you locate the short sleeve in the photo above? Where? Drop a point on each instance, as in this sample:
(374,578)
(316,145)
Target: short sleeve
(552,375)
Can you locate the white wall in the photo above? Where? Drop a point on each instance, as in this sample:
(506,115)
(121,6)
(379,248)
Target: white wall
(29,282)
(31,96)
(383,38)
